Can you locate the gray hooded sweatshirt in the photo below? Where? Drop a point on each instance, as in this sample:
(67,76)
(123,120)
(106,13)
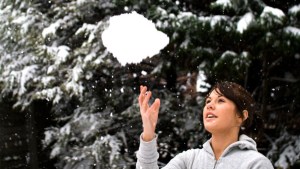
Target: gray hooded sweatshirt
(239,155)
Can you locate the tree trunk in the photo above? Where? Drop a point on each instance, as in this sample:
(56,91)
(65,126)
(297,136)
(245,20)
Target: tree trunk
(264,86)
(32,143)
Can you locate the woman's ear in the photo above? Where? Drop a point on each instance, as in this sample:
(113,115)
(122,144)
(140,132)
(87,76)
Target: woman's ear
(245,114)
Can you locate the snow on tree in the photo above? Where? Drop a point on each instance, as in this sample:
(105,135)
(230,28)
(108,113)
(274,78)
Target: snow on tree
(53,51)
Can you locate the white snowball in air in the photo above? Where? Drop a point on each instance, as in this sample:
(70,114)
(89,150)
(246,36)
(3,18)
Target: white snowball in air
(131,37)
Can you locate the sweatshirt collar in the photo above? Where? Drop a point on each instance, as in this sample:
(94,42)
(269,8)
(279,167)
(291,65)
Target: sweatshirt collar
(244,143)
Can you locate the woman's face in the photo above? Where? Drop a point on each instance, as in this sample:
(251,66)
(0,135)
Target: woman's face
(220,114)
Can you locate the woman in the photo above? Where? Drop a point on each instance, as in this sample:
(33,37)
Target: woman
(229,113)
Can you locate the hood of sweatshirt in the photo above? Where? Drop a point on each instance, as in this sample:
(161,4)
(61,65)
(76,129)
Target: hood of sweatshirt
(244,143)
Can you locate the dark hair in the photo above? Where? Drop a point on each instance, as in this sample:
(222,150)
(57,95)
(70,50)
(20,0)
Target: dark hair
(243,100)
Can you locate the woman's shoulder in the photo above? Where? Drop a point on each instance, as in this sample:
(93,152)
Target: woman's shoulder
(255,158)
(260,161)
(194,152)
(257,155)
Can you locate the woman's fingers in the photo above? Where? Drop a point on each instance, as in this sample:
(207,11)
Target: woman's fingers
(144,98)
(155,106)
(148,112)
(153,111)
(145,103)
(147,98)
(143,90)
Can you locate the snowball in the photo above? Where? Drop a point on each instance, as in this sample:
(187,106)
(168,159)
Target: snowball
(131,37)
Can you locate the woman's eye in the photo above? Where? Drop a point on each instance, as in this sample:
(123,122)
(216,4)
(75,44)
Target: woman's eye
(221,100)
(207,101)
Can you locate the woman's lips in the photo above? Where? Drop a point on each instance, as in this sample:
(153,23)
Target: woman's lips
(210,116)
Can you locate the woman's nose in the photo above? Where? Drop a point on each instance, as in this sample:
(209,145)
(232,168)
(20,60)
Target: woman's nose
(210,105)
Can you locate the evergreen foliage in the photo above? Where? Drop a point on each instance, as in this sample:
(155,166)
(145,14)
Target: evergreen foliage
(51,51)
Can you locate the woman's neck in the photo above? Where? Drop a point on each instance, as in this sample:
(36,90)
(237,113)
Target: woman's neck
(219,142)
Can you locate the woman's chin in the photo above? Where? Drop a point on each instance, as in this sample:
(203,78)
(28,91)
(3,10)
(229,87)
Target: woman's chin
(209,128)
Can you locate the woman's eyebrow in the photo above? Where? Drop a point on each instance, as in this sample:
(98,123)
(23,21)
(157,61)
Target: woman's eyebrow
(218,96)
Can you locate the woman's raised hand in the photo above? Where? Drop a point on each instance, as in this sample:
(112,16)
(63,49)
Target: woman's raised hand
(149,113)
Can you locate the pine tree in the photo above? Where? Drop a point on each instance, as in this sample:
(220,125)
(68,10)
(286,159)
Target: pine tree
(51,53)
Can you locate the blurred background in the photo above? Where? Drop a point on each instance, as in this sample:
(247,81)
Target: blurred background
(66,102)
